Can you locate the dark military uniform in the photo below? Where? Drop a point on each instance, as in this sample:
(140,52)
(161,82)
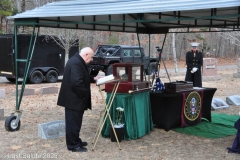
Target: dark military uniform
(194,61)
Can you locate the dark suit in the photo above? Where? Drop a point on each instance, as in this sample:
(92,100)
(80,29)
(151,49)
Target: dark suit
(75,96)
(192,62)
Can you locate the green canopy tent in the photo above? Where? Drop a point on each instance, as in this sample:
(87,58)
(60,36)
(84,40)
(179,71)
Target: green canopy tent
(132,16)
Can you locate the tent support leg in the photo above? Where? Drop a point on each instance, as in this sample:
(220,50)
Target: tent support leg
(12,123)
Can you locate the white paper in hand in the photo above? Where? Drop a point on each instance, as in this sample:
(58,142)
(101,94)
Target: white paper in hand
(105,79)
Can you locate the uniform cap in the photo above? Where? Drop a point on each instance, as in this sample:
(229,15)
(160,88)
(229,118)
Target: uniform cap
(194,44)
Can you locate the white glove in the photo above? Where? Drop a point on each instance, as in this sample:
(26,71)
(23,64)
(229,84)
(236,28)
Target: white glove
(194,69)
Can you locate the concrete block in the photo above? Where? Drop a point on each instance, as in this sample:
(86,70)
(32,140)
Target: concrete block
(218,103)
(233,100)
(1,113)
(50,130)
(236,75)
(238,69)
(27,92)
(48,90)
(2,93)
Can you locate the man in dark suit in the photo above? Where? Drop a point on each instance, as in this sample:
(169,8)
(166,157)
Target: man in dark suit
(75,96)
(194,61)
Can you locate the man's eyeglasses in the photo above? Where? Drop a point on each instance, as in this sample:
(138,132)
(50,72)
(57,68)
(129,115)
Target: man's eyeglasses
(194,47)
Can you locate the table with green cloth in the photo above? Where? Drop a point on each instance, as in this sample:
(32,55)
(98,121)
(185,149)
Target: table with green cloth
(137,114)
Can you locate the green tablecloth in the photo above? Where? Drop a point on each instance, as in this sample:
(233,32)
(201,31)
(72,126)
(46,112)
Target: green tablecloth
(137,114)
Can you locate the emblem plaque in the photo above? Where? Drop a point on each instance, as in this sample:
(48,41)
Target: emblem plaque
(192,107)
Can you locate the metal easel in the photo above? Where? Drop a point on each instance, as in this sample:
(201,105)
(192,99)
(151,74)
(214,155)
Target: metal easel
(106,114)
(157,69)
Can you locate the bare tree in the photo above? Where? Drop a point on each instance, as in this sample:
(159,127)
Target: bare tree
(65,38)
(39,3)
(231,42)
(233,36)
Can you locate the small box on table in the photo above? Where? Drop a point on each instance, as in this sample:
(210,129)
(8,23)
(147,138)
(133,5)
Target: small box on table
(131,77)
(178,86)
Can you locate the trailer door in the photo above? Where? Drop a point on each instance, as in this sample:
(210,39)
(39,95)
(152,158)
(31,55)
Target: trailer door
(6,56)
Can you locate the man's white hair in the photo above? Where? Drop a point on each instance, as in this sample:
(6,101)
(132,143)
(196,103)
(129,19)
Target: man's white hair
(83,51)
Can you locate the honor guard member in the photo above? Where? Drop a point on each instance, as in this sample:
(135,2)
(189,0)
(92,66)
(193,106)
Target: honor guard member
(194,61)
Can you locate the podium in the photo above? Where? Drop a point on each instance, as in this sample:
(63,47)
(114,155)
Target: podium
(116,81)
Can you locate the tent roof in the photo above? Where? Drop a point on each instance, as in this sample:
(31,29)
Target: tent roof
(141,16)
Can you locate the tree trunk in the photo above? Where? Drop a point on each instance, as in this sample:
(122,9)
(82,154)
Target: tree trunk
(219,47)
(181,47)
(1,19)
(66,55)
(67,46)
(174,53)
(23,6)
(222,47)
(211,44)
(168,47)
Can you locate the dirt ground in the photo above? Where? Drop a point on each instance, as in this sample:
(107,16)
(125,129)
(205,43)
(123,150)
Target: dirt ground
(159,144)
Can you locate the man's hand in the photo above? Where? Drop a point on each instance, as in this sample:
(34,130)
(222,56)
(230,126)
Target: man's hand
(97,77)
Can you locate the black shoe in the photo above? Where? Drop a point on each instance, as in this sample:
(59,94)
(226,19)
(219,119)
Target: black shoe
(79,149)
(83,144)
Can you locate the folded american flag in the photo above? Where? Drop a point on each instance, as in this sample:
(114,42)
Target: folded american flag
(158,86)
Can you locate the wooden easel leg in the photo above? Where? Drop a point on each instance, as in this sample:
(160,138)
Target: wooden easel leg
(102,118)
(107,114)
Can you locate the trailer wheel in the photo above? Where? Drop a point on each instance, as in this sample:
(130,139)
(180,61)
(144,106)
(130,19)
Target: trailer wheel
(36,77)
(52,76)
(152,68)
(109,69)
(10,123)
(11,79)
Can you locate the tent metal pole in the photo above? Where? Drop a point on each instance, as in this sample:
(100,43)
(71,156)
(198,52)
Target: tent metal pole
(28,61)
(15,62)
(15,123)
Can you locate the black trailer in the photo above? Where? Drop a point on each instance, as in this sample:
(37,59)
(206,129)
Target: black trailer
(47,62)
